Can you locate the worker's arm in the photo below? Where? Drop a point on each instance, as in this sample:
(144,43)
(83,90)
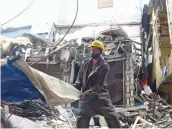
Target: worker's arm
(100,82)
(78,82)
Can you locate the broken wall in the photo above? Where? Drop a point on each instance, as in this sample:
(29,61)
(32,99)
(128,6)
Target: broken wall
(169,14)
(129,81)
(161,43)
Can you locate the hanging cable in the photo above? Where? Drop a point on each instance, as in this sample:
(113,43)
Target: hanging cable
(17,14)
(51,52)
(67,30)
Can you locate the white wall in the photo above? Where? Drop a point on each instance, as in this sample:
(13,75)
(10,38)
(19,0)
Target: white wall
(122,11)
(63,11)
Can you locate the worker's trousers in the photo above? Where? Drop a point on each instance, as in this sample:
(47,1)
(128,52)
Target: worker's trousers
(97,107)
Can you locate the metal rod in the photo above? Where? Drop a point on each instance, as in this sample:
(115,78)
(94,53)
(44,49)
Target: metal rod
(134,125)
(168,125)
(142,120)
(131,108)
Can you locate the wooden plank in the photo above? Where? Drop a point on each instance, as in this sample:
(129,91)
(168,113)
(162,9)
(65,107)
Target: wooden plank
(164,30)
(163,15)
(164,22)
(163,18)
(133,108)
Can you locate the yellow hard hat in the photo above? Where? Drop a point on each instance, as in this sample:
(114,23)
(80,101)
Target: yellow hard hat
(98,44)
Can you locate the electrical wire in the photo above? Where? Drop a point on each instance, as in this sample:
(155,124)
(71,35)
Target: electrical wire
(67,30)
(52,50)
(17,14)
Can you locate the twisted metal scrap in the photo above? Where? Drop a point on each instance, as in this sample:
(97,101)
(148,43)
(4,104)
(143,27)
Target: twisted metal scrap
(33,110)
(155,104)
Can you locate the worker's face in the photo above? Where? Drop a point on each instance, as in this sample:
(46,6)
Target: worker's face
(95,50)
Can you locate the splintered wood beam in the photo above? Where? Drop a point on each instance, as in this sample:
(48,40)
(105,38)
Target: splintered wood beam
(164,36)
(163,18)
(164,22)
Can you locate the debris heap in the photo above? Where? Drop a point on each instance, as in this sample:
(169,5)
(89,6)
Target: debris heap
(33,110)
(37,112)
(156,113)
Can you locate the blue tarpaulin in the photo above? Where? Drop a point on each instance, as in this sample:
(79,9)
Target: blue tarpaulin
(15,84)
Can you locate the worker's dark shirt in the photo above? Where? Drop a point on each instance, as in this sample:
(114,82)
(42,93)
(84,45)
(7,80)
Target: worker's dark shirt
(93,80)
(96,100)
(91,67)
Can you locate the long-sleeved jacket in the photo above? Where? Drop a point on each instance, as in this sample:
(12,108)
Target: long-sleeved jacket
(97,100)
(93,83)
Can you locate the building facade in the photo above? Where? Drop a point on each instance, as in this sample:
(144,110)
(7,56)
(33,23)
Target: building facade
(157,45)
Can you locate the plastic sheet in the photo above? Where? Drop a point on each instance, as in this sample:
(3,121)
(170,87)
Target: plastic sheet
(15,85)
(21,82)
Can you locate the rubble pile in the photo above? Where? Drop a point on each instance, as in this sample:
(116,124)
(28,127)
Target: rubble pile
(33,110)
(37,113)
(156,113)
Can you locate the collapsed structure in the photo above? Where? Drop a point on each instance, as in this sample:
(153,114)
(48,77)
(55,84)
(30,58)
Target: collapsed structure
(124,79)
(121,54)
(65,63)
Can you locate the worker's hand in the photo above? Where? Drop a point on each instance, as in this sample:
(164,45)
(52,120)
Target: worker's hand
(82,97)
(88,95)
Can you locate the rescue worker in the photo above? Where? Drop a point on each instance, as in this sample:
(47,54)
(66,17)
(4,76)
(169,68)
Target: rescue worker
(95,99)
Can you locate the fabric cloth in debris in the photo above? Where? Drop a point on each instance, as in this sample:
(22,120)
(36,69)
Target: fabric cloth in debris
(21,82)
(98,101)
